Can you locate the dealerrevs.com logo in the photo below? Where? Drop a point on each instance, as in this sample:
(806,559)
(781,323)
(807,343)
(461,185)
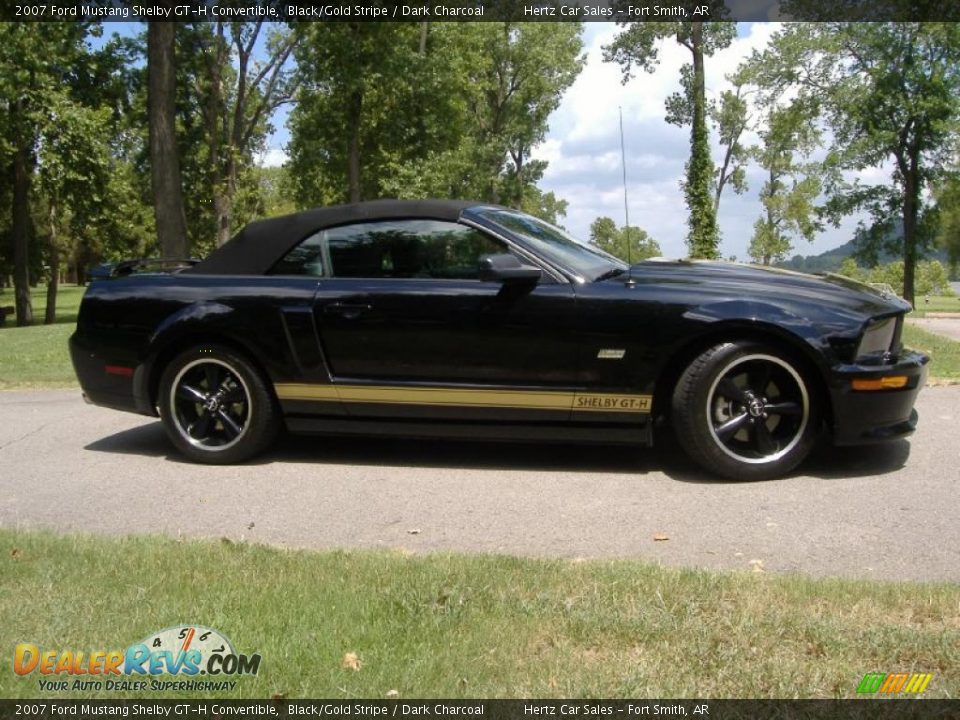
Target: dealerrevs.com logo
(183,651)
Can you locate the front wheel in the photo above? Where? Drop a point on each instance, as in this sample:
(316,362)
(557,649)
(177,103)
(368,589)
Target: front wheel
(746,411)
(215,406)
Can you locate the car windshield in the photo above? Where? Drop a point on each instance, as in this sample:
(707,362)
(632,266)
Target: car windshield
(554,244)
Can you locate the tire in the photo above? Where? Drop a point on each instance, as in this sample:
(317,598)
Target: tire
(746,411)
(216,407)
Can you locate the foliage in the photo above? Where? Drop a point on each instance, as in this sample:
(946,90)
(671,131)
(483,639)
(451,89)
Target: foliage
(792,186)
(731,117)
(237,92)
(889,92)
(636,46)
(931,276)
(630,244)
(452,113)
(59,98)
(947,195)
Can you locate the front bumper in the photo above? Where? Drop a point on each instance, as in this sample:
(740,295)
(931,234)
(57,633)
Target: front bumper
(869,416)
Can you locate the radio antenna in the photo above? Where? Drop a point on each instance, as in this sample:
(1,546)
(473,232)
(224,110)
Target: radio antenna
(626,205)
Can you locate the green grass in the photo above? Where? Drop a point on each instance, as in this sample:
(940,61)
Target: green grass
(944,353)
(37,356)
(475,626)
(936,303)
(68,303)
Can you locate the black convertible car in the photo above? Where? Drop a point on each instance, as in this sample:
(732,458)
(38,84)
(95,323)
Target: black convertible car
(464,320)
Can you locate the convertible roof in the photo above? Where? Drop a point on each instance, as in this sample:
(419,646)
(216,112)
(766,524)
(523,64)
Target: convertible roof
(259,245)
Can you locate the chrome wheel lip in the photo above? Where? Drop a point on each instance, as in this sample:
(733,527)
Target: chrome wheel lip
(200,444)
(798,434)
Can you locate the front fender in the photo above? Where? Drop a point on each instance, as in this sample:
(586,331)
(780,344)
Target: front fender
(818,333)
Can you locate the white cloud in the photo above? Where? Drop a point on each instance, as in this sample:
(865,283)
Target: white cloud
(273,156)
(583,147)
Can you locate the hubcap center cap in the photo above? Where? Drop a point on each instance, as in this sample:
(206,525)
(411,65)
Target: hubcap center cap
(212,403)
(755,407)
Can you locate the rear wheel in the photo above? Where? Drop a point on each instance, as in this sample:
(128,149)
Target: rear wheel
(215,406)
(746,411)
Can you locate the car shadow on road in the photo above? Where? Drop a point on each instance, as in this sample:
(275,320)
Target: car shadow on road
(666,456)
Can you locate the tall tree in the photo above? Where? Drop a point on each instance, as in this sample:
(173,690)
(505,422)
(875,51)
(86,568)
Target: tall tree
(524,70)
(793,183)
(354,108)
(37,69)
(889,93)
(239,93)
(164,154)
(453,112)
(637,45)
(947,195)
(731,115)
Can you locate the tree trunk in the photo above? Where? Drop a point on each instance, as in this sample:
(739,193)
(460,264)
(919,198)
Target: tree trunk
(911,191)
(424,32)
(164,155)
(703,224)
(22,162)
(353,146)
(50,316)
(223,202)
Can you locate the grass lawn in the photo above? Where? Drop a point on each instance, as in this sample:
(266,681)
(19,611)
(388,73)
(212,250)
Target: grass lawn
(475,626)
(944,353)
(936,303)
(37,356)
(68,302)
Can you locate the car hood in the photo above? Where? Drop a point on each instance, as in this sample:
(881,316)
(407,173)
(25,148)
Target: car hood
(723,278)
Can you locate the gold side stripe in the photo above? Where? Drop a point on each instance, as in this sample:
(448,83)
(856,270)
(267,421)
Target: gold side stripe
(528,399)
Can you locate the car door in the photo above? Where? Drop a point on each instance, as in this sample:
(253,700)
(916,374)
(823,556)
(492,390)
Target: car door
(409,330)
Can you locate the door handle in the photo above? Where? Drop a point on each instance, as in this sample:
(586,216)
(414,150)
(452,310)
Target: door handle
(347,310)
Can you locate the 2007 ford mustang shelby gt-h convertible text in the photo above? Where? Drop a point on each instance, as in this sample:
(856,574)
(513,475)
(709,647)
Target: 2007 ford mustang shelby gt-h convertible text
(456,319)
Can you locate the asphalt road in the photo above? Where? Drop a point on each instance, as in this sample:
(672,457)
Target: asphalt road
(877,512)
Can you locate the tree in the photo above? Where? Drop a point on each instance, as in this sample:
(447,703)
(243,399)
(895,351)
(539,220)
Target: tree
(523,72)
(451,112)
(731,117)
(637,46)
(630,244)
(947,195)
(889,92)
(37,70)
(792,187)
(354,109)
(164,155)
(71,173)
(238,94)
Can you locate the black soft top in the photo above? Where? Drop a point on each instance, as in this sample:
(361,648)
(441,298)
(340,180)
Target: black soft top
(259,245)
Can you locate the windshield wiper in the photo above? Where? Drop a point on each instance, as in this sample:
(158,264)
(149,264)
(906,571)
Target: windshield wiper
(609,274)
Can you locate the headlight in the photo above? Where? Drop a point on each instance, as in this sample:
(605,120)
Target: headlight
(878,337)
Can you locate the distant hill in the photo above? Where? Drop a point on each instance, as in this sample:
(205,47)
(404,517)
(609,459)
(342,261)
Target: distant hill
(830,260)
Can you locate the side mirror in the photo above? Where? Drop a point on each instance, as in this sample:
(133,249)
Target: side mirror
(507,268)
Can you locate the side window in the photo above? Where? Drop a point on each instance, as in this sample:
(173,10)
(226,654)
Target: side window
(407,249)
(305,259)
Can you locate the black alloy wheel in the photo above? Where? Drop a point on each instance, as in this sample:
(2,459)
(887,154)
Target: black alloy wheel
(746,411)
(216,407)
